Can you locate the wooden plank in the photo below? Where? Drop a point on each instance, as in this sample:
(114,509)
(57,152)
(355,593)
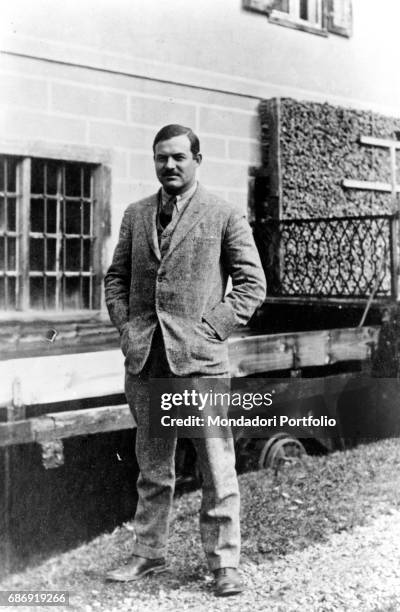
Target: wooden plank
(59,425)
(370,185)
(380,142)
(68,424)
(351,344)
(70,377)
(313,349)
(274,156)
(321,301)
(256,354)
(287,391)
(49,318)
(59,378)
(16,432)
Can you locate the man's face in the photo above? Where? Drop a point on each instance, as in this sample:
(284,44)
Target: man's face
(175,165)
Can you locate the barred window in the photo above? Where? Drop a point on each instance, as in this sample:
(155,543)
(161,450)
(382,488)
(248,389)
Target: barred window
(9,221)
(47,237)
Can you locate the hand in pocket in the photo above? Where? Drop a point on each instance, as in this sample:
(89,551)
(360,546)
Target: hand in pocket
(125,339)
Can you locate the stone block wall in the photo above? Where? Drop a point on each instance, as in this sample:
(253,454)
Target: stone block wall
(49,102)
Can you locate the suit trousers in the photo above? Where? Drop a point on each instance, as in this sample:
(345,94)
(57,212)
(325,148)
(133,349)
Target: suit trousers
(219,513)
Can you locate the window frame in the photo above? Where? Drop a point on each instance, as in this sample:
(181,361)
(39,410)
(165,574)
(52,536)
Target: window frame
(100,160)
(335,25)
(331,21)
(292,20)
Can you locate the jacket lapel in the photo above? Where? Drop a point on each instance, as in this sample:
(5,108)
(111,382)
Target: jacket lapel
(190,216)
(149,213)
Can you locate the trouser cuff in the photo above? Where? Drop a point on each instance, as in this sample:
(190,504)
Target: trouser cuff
(220,563)
(149,552)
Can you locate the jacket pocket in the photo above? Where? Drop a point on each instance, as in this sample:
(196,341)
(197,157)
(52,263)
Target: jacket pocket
(209,331)
(125,342)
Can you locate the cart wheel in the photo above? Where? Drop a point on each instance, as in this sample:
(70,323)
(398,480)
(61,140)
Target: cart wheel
(280,448)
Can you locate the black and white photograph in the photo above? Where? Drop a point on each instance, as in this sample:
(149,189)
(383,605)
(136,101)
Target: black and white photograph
(199,305)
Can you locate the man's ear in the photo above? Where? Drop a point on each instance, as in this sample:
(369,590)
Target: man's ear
(198,158)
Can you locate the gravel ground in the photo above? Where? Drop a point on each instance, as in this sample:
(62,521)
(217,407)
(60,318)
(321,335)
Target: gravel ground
(319,536)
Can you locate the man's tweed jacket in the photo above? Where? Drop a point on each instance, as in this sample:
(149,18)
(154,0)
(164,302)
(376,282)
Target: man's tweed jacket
(184,292)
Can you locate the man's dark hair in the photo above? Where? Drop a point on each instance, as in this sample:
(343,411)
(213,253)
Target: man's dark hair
(172,130)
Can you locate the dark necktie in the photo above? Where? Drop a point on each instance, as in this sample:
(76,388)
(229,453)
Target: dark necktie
(167,211)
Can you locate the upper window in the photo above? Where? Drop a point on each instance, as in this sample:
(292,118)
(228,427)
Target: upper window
(300,12)
(47,235)
(317,16)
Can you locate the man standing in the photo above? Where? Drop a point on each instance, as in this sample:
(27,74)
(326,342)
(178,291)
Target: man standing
(166,294)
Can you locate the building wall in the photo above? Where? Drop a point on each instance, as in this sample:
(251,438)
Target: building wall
(106,75)
(218,44)
(77,106)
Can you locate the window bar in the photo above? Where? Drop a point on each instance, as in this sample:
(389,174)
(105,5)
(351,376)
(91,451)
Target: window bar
(17,240)
(59,238)
(45,301)
(24,182)
(81,305)
(64,239)
(91,296)
(6,296)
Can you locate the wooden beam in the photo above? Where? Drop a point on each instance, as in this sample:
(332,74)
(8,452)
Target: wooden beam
(64,378)
(297,389)
(16,432)
(380,142)
(61,378)
(274,155)
(51,318)
(348,302)
(370,185)
(257,354)
(60,425)
(63,425)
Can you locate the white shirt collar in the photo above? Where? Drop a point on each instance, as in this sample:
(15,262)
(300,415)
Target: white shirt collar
(181,199)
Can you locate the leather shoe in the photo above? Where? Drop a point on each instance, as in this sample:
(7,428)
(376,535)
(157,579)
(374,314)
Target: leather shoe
(227,582)
(135,568)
